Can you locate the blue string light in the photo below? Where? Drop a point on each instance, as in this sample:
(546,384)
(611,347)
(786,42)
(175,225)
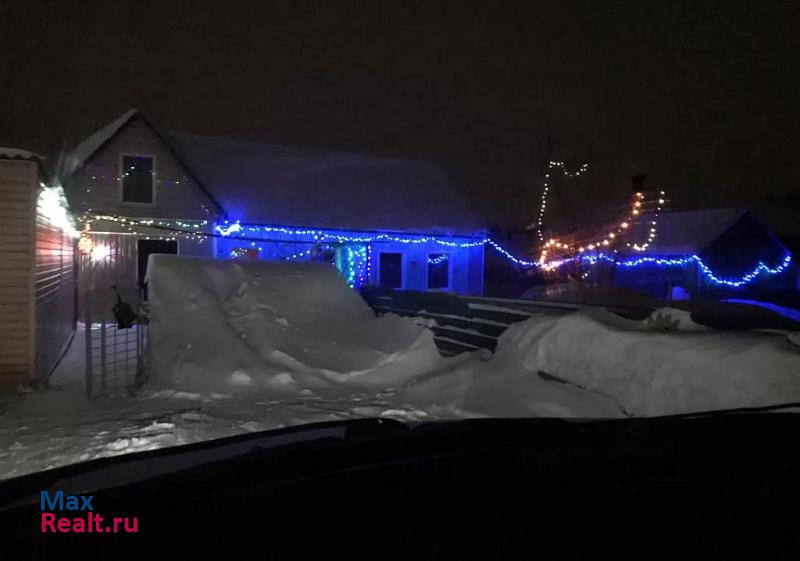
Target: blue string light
(320,235)
(324,236)
(510,257)
(298,255)
(761,268)
(438,259)
(355,263)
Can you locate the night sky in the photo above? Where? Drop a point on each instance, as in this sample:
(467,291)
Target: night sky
(700,96)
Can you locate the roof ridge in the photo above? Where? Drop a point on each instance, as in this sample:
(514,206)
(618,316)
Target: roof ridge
(85,150)
(304,151)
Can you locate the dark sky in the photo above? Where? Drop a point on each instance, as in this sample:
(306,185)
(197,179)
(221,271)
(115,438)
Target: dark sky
(701,96)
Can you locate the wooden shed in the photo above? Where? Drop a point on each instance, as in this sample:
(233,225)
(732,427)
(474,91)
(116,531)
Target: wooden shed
(37,277)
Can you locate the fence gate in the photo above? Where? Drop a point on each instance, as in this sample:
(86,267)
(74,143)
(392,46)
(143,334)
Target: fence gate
(114,355)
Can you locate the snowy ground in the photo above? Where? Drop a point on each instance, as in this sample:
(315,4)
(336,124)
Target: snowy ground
(239,352)
(60,425)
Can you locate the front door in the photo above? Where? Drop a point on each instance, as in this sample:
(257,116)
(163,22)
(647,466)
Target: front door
(145,248)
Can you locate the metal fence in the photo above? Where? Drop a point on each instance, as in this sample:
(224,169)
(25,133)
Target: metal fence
(467,323)
(459,323)
(114,355)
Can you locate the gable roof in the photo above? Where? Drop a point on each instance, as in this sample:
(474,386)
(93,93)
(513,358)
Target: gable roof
(687,232)
(83,153)
(695,231)
(262,183)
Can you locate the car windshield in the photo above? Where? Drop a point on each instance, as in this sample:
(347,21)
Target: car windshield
(340,214)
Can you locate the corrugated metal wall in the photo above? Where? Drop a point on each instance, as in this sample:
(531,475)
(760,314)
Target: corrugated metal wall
(111,261)
(18,180)
(54,277)
(114,259)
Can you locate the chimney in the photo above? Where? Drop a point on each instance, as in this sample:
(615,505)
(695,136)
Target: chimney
(638,182)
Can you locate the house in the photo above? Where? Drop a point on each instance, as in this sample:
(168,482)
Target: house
(37,278)
(137,190)
(710,253)
(128,171)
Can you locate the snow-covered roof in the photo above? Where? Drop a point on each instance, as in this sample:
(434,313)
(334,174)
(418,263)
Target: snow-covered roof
(262,183)
(266,184)
(7,153)
(76,159)
(687,232)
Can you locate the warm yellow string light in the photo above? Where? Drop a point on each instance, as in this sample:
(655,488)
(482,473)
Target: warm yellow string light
(86,244)
(608,239)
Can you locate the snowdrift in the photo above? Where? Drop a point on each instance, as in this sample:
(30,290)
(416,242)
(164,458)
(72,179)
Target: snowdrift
(501,387)
(295,327)
(650,372)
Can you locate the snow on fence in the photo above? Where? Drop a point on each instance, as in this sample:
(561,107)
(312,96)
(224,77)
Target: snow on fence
(461,323)
(466,323)
(114,355)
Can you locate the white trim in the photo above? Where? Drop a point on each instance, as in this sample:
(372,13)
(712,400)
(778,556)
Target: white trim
(449,286)
(154,181)
(403,268)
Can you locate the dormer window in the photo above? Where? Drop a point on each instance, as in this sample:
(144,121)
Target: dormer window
(138,179)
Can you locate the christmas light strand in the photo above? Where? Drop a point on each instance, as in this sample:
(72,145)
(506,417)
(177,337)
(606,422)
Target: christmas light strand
(51,204)
(438,259)
(607,241)
(543,203)
(323,236)
(761,267)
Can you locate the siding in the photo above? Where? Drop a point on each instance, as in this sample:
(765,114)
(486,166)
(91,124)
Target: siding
(17,206)
(466,264)
(54,277)
(96,186)
(120,267)
(415,263)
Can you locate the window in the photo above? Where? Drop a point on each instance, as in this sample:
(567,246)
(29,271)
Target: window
(137,179)
(391,270)
(438,271)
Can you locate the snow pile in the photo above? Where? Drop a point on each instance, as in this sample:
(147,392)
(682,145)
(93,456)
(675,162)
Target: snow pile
(501,387)
(289,326)
(655,373)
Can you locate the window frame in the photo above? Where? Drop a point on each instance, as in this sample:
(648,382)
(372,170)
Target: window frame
(402,270)
(449,286)
(120,168)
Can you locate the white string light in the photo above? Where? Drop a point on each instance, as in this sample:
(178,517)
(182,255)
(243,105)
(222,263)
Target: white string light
(51,204)
(543,263)
(543,204)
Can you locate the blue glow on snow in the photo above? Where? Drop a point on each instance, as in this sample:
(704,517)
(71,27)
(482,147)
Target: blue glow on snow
(789,313)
